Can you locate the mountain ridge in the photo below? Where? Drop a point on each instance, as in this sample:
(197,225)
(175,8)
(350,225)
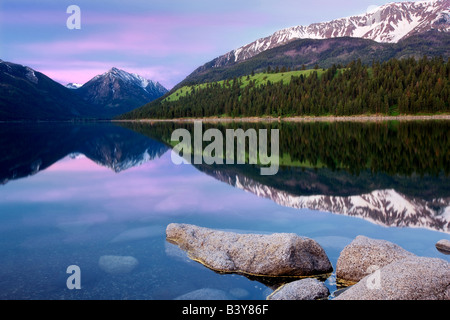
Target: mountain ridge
(307,53)
(27,94)
(392,87)
(388,23)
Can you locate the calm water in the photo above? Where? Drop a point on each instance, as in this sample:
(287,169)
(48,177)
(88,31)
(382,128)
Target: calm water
(71,194)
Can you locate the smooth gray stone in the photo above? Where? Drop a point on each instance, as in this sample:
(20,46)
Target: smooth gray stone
(413,278)
(117,264)
(254,254)
(305,289)
(363,255)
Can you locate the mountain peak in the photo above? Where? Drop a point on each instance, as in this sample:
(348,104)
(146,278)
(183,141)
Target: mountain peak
(128,77)
(118,89)
(388,23)
(73,85)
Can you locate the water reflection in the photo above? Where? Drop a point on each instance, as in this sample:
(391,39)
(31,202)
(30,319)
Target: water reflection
(386,207)
(30,148)
(392,173)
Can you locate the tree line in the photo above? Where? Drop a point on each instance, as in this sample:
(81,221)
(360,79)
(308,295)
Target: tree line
(397,148)
(406,86)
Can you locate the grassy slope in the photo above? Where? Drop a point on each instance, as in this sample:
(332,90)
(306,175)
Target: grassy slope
(259,78)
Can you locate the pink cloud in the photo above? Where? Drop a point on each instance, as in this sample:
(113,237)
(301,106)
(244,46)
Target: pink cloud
(157,35)
(153,45)
(34,17)
(128,42)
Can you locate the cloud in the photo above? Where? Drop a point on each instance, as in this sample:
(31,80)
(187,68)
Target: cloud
(169,37)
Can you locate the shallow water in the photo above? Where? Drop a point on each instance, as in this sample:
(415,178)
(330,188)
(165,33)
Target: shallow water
(74,193)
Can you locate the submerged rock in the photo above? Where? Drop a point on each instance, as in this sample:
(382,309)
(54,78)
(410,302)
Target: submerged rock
(117,264)
(443,246)
(412,278)
(255,254)
(239,293)
(364,255)
(305,289)
(205,294)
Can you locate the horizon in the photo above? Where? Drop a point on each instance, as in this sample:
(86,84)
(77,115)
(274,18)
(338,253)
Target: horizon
(160,41)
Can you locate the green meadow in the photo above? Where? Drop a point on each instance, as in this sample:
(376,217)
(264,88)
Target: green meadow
(258,79)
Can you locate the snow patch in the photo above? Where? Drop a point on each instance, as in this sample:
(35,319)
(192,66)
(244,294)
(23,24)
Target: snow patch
(74,85)
(31,75)
(130,77)
(387,23)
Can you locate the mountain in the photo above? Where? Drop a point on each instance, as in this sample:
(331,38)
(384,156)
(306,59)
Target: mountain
(118,91)
(395,30)
(324,53)
(389,23)
(398,86)
(26,94)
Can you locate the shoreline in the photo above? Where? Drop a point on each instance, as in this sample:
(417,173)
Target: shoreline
(359,118)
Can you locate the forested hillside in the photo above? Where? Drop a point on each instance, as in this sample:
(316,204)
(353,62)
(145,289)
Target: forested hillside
(405,86)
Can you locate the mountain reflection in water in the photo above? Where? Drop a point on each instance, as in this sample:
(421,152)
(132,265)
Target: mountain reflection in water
(390,173)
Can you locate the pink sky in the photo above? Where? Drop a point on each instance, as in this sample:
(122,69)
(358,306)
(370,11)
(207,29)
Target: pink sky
(162,40)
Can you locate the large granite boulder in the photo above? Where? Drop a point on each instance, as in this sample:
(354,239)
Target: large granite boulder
(412,278)
(254,254)
(305,289)
(364,255)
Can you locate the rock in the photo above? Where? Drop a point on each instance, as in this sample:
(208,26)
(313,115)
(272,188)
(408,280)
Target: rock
(363,255)
(204,294)
(117,264)
(305,289)
(239,293)
(443,246)
(260,255)
(413,278)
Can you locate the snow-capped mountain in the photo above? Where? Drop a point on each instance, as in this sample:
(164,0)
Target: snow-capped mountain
(389,23)
(120,91)
(26,94)
(115,74)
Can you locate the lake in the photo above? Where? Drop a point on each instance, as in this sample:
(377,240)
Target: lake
(76,194)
